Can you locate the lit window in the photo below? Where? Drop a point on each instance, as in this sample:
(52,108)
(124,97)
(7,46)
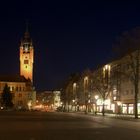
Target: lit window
(26,61)
(10,88)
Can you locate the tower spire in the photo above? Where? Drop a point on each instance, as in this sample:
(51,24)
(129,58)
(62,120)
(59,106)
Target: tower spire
(27,26)
(26,35)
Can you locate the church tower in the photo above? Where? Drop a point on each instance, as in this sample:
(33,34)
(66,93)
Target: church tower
(26,56)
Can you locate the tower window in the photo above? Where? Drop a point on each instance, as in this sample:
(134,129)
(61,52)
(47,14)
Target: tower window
(26,61)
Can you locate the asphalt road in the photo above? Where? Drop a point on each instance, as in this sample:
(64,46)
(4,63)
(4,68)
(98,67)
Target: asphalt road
(65,126)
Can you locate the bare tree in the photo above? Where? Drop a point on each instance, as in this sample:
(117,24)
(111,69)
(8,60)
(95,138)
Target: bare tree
(101,83)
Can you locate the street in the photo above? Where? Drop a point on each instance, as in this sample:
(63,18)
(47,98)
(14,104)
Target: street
(65,126)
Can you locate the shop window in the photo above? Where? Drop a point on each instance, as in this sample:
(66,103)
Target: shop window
(124,108)
(130,109)
(138,108)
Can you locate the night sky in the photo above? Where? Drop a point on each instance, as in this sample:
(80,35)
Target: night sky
(68,36)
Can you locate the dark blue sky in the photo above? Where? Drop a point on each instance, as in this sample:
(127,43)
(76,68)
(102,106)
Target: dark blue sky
(67,36)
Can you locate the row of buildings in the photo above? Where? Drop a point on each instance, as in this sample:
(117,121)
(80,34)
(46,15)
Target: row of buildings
(113,87)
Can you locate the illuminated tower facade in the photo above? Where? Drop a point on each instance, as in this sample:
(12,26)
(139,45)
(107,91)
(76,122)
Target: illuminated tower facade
(26,56)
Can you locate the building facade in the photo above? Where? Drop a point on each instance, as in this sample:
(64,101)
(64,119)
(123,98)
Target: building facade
(23,94)
(112,85)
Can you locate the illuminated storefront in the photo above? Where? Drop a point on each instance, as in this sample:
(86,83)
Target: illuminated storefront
(138,108)
(107,103)
(128,108)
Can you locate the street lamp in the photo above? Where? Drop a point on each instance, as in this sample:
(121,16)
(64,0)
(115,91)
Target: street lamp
(73,101)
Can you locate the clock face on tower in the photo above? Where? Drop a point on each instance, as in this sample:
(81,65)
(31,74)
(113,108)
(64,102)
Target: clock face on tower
(26,47)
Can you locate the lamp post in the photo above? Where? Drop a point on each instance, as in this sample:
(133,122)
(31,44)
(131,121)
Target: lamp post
(96,98)
(85,91)
(74,94)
